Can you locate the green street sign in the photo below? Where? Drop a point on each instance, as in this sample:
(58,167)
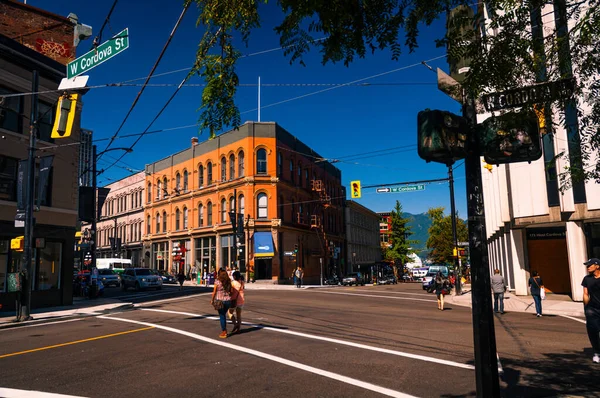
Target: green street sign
(103,52)
(408,188)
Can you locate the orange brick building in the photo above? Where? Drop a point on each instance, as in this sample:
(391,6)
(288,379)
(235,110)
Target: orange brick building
(292,206)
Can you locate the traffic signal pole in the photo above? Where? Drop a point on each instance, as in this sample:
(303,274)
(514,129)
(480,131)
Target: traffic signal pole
(457,269)
(94,234)
(484,336)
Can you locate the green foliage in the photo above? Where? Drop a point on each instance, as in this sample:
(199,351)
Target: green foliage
(401,244)
(440,240)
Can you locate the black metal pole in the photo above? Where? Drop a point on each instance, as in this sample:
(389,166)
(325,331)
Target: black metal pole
(454,232)
(27,267)
(234,225)
(94,233)
(484,337)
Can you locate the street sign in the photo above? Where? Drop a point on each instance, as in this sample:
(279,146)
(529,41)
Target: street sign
(72,84)
(462,243)
(536,94)
(405,188)
(288,254)
(449,86)
(105,51)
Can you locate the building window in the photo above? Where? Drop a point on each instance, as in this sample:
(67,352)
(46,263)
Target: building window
(306,177)
(10,112)
(299,174)
(292,171)
(177,219)
(165,188)
(223,169)
(50,264)
(241,206)
(8,177)
(223,211)
(177,182)
(200,215)
(231,167)
(185,181)
(185,218)
(209,173)
(209,214)
(279,164)
(164,221)
(158,189)
(241,171)
(261,161)
(262,203)
(157,223)
(232,204)
(280,209)
(45,121)
(148,227)
(200,176)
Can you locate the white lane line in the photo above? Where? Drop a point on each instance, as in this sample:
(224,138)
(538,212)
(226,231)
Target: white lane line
(376,296)
(574,319)
(297,365)
(331,340)
(500,369)
(3,329)
(412,294)
(13,393)
(171,299)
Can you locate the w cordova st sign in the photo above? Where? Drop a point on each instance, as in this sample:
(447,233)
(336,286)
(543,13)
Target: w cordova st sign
(98,55)
(536,94)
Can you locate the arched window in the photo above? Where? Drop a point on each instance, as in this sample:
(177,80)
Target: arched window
(165,188)
(185,181)
(165,221)
(261,161)
(185,218)
(223,211)
(200,176)
(200,215)
(306,177)
(241,171)
(231,167)
(157,223)
(158,189)
(148,225)
(292,171)
(178,182)
(262,203)
(241,206)
(209,214)
(299,169)
(209,173)
(177,219)
(223,169)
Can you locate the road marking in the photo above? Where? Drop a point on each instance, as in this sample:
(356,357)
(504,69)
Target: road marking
(331,340)
(72,342)
(575,319)
(4,328)
(386,297)
(260,354)
(500,369)
(13,393)
(171,299)
(412,294)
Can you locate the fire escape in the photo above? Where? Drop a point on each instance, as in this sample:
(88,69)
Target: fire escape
(316,222)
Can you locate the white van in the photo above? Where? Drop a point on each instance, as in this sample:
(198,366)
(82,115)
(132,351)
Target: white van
(116,264)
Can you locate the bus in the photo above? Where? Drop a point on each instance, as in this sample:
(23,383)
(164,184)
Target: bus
(116,264)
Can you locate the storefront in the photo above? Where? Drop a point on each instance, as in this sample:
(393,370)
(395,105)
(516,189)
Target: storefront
(263,255)
(160,256)
(206,254)
(547,252)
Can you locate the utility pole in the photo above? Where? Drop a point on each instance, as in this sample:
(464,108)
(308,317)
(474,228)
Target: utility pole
(24,312)
(234,228)
(484,336)
(95,216)
(454,232)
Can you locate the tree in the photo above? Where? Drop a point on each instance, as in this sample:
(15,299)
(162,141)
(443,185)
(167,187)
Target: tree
(440,239)
(400,248)
(507,50)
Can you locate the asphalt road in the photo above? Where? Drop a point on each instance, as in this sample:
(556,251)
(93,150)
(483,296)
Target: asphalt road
(336,342)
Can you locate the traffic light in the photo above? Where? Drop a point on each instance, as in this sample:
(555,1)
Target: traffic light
(65,116)
(295,249)
(459,251)
(355,193)
(510,138)
(442,136)
(17,243)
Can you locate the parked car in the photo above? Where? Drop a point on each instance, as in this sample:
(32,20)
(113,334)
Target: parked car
(431,273)
(388,280)
(167,277)
(140,278)
(353,279)
(109,277)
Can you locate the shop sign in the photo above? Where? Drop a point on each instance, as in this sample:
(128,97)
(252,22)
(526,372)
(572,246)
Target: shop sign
(546,233)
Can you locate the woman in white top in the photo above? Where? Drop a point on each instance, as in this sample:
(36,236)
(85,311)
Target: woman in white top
(236,313)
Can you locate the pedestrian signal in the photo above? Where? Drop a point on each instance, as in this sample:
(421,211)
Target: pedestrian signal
(65,116)
(459,252)
(441,136)
(355,186)
(17,243)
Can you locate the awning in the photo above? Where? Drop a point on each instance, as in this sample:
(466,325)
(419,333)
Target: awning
(263,244)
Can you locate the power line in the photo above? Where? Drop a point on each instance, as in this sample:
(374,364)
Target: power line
(162,53)
(98,38)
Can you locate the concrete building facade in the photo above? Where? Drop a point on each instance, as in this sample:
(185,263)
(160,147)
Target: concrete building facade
(362,237)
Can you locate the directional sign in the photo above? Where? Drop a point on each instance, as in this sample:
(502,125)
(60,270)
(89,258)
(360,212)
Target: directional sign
(103,52)
(405,188)
(536,94)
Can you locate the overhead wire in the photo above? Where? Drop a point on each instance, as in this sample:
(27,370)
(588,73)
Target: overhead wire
(98,38)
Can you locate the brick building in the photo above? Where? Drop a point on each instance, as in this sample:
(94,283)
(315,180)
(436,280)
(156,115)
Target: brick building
(291,206)
(385,229)
(363,246)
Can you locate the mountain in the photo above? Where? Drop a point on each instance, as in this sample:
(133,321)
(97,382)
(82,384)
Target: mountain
(419,224)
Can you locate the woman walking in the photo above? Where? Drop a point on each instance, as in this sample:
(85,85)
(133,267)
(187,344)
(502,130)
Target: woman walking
(236,313)
(536,285)
(441,289)
(223,298)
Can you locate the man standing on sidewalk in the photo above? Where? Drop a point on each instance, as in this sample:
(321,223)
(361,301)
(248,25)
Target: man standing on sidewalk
(591,304)
(498,287)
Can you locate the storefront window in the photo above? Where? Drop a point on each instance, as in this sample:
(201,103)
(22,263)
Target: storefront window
(227,252)
(206,253)
(8,178)
(4,246)
(50,261)
(160,254)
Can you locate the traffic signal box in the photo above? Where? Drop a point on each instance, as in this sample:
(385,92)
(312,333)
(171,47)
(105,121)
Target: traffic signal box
(442,136)
(511,137)
(65,116)
(460,252)
(355,189)
(17,243)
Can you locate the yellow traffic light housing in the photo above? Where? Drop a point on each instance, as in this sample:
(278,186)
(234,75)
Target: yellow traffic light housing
(17,243)
(65,116)
(355,189)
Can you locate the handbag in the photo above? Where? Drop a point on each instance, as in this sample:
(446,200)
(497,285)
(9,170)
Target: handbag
(542,290)
(218,304)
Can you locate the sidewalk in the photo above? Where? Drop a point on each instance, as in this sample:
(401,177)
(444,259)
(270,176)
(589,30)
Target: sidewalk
(552,305)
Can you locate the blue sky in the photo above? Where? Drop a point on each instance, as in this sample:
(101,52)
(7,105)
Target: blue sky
(336,123)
